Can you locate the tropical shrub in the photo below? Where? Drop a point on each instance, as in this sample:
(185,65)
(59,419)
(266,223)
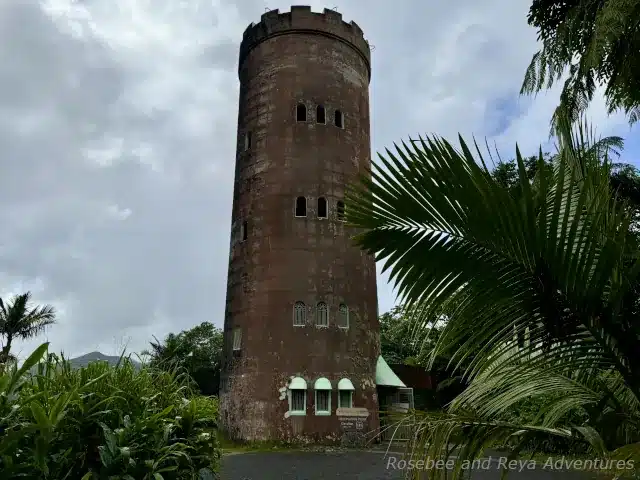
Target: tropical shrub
(196,351)
(528,411)
(544,279)
(103,422)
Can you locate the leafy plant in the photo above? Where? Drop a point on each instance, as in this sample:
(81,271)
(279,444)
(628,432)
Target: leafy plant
(19,320)
(597,42)
(544,280)
(197,351)
(103,422)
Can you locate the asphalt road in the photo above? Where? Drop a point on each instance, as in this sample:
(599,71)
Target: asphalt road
(365,465)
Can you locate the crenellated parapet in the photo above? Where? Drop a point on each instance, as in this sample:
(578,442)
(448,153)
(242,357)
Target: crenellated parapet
(302,20)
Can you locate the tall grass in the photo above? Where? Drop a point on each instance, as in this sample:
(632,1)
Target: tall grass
(103,422)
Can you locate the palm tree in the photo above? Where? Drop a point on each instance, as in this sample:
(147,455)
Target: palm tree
(170,353)
(19,319)
(544,281)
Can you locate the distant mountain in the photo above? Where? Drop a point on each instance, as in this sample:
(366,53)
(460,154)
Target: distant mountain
(84,360)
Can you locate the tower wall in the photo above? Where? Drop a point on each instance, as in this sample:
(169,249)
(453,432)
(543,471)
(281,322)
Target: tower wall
(288,59)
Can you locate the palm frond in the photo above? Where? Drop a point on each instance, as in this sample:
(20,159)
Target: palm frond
(549,265)
(18,319)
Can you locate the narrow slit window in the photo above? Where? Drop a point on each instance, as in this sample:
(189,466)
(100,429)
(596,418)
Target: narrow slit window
(237,339)
(322,207)
(322,315)
(301,113)
(247,141)
(337,119)
(343,316)
(340,211)
(301,207)
(320,116)
(243,231)
(299,314)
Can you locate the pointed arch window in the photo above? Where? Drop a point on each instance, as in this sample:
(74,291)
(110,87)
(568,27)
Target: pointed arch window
(322,315)
(299,314)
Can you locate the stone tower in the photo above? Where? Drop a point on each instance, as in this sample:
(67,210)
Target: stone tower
(301,326)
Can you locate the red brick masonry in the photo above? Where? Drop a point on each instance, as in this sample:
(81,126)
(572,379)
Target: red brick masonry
(288,59)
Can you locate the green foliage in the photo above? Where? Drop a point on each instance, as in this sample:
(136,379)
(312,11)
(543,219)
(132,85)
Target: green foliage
(20,320)
(544,281)
(197,351)
(506,173)
(408,341)
(598,42)
(103,422)
(527,412)
(397,341)
(624,178)
(207,408)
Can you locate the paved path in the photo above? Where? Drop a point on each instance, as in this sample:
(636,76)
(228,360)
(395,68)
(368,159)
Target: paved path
(365,465)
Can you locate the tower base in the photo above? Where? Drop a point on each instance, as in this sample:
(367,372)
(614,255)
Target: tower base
(246,419)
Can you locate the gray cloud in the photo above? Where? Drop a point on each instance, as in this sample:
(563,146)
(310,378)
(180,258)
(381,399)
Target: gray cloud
(112,195)
(117,126)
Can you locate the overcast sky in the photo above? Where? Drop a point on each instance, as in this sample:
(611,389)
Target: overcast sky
(117,130)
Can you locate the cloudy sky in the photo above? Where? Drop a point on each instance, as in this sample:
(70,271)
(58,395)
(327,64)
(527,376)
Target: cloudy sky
(117,129)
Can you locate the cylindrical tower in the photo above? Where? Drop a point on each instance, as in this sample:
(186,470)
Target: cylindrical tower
(301,326)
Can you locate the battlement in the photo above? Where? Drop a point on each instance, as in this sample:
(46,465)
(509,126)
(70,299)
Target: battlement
(302,20)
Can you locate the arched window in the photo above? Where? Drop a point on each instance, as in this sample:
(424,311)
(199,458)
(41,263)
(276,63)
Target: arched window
(297,396)
(322,315)
(301,207)
(301,113)
(345,393)
(343,316)
(322,207)
(340,211)
(247,140)
(320,116)
(322,389)
(299,314)
(338,121)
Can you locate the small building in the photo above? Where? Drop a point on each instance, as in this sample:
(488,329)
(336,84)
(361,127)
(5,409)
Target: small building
(394,397)
(423,385)
(414,376)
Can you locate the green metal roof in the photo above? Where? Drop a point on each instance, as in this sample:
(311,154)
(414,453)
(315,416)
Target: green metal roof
(385,376)
(322,384)
(345,384)
(297,383)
